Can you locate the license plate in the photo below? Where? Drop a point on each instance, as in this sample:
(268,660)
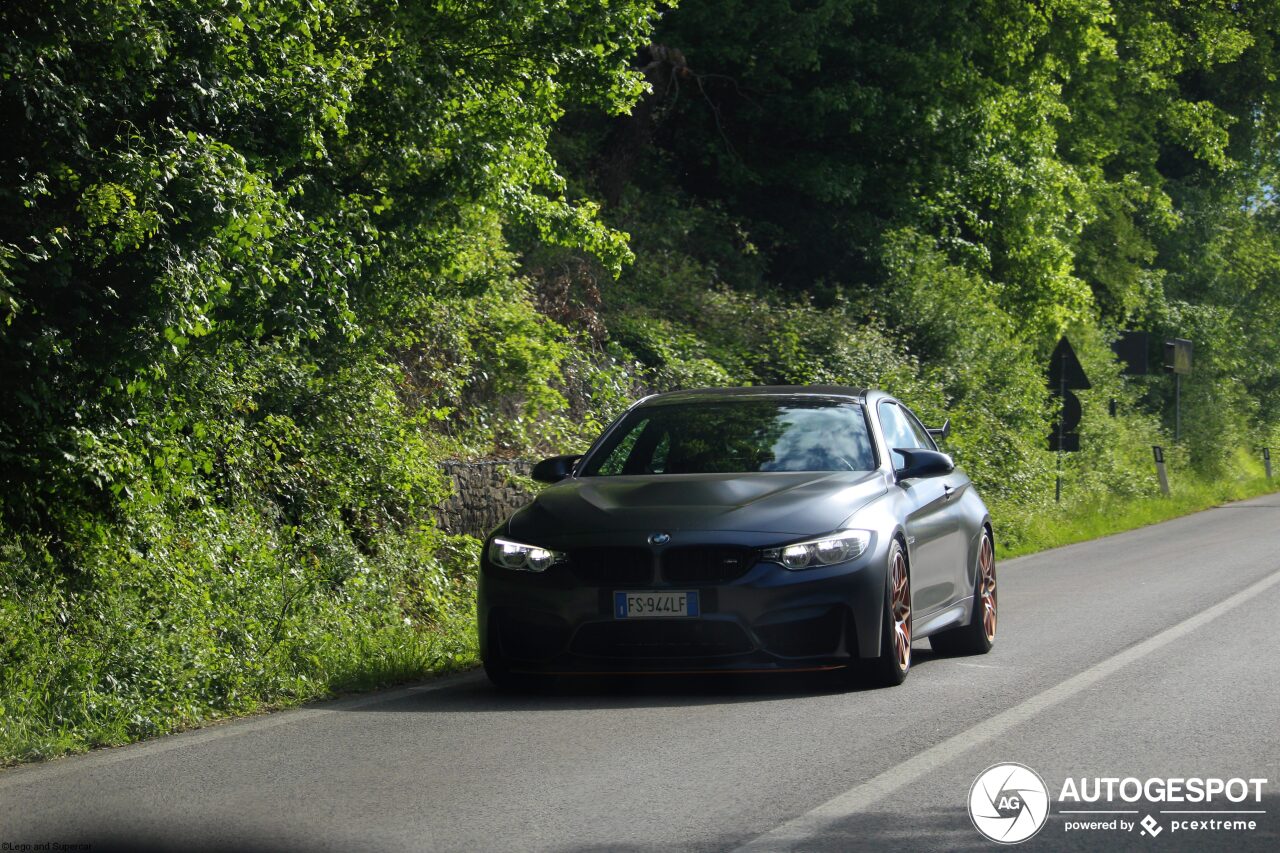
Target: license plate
(651,605)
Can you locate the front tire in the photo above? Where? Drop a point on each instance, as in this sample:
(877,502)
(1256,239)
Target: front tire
(891,666)
(979,635)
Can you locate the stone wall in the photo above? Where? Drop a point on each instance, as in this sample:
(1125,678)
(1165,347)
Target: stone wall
(483,495)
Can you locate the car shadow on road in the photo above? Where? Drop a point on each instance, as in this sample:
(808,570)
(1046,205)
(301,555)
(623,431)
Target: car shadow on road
(632,691)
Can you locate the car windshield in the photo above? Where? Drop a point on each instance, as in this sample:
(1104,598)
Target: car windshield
(737,436)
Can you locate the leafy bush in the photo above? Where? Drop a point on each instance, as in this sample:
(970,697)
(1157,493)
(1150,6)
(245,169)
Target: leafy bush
(198,614)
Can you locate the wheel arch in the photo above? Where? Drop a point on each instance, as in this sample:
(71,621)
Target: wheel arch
(868,622)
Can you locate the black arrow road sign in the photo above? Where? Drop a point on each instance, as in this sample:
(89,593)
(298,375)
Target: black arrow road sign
(1065,366)
(1070,419)
(1065,373)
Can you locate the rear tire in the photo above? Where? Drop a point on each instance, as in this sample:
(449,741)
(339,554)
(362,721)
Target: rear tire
(979,635)
(891,666)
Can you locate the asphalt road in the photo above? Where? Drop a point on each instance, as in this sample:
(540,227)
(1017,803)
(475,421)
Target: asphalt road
(1151,654)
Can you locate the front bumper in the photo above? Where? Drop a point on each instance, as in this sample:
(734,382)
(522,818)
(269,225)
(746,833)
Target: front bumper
(768,619)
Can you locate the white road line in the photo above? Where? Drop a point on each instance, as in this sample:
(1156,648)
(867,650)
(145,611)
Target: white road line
(813,823)
(36,773)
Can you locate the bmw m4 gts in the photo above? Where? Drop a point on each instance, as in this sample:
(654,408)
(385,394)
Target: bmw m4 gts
(746,530)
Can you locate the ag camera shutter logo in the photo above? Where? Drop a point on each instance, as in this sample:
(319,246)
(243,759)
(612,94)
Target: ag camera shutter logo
(1008,803)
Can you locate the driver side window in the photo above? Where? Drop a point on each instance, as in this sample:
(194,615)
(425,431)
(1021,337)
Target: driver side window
(923,439)
(898,432)
(620,459)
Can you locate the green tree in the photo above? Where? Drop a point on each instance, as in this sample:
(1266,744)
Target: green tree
(184,181)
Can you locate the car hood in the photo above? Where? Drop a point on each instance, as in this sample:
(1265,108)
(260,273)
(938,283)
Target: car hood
(797,503)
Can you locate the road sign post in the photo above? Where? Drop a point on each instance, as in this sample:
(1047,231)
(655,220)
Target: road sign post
(1062,418)
(1158,451)
(1177,360)
(1266,460)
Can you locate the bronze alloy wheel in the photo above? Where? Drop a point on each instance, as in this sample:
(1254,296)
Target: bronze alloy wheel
(890,665)
(987,580)
(977,636)
(900,608)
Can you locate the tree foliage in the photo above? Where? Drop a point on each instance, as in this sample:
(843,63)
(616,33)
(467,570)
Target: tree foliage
(182,179)
(226,224)
(985,175)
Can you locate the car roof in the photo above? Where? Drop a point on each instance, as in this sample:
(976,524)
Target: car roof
(694,395)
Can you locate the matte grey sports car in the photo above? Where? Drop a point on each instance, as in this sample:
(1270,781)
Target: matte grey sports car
(742,529)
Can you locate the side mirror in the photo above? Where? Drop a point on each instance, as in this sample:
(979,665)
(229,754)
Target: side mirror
(923,463)
(555,469)
(942,431)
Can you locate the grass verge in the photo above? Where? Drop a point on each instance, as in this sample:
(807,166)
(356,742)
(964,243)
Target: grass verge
(1082,520)
(132,646)
(42,728)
